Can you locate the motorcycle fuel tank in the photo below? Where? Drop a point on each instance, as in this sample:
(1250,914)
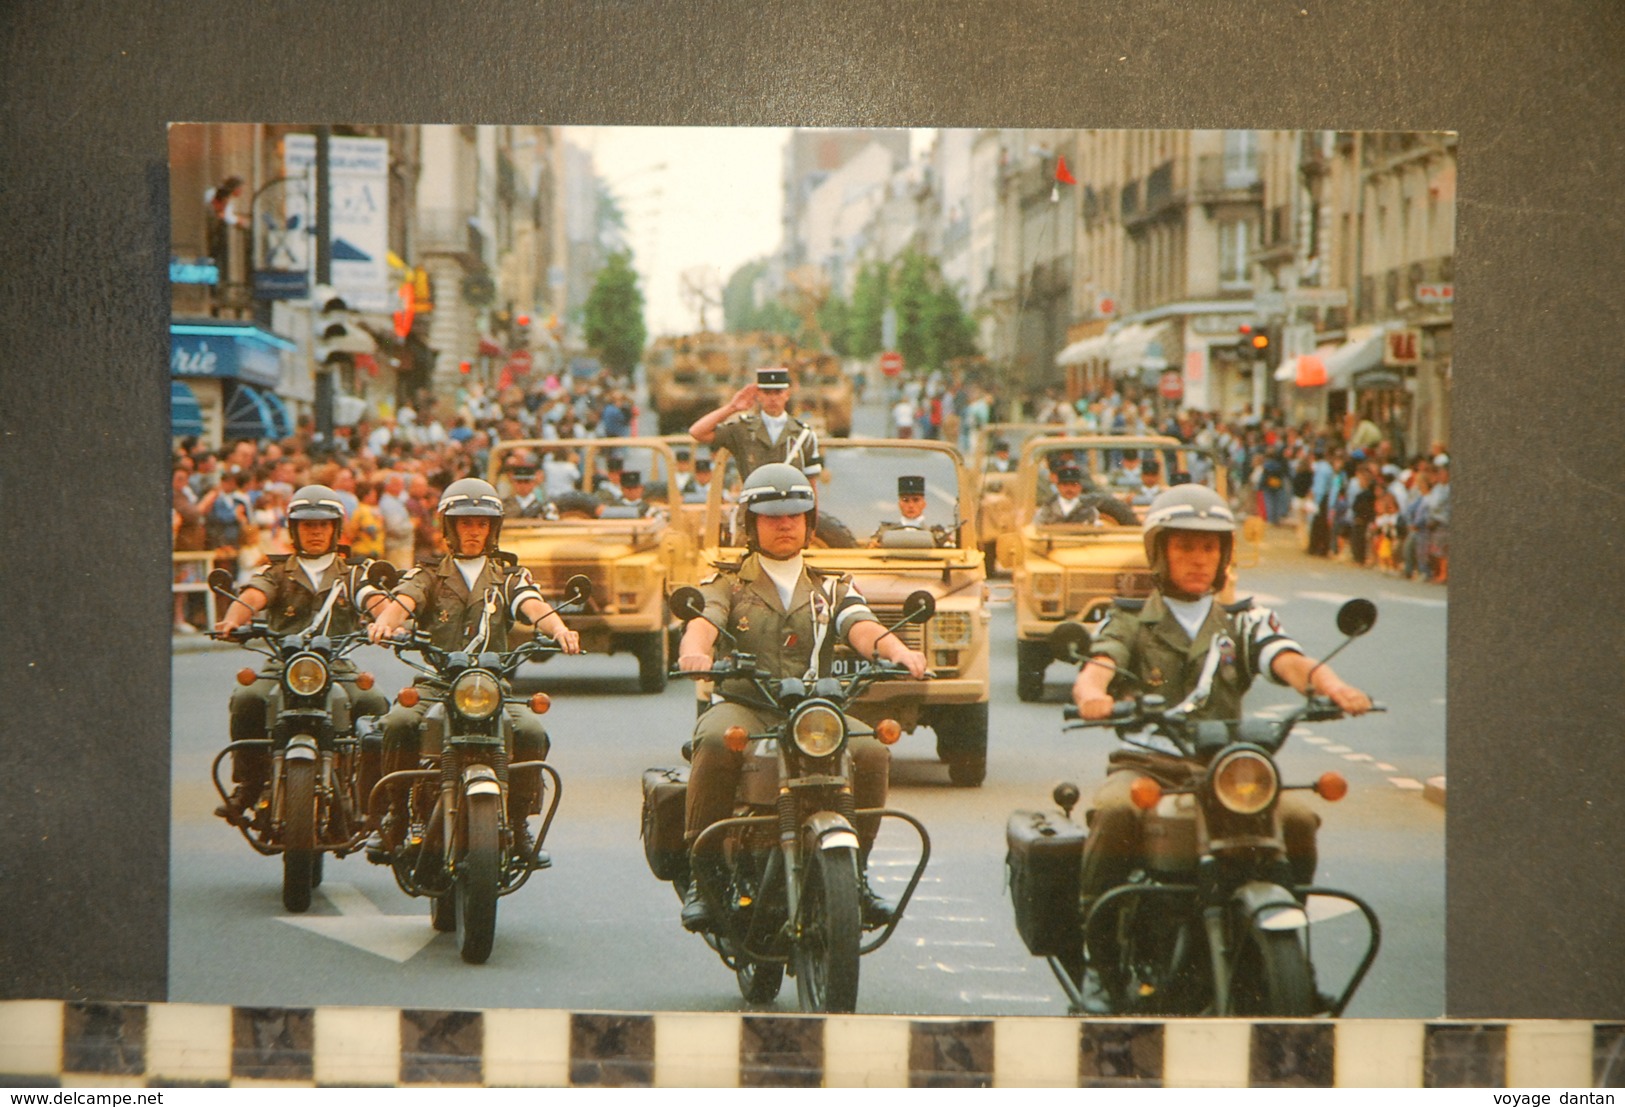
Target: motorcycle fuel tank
(1168,835)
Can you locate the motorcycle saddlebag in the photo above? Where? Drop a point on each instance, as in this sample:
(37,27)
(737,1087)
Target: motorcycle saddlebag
(1043,860)
(665,793)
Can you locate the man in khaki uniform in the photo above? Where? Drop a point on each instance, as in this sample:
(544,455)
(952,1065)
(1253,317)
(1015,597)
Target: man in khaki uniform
(467,600)
(769,433)
(778,609)
(317,581)
(911,515)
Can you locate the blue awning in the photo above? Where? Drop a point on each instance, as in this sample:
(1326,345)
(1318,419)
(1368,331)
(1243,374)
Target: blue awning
(185,413)
(281,421)
(248,415)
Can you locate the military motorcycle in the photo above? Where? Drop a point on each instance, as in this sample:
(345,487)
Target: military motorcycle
(1211,921)
(786,896)
(458,848)
(314,803)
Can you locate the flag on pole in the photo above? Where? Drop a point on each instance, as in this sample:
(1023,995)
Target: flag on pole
(1062,174)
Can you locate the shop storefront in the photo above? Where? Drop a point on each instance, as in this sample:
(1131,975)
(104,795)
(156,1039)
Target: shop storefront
(225,377)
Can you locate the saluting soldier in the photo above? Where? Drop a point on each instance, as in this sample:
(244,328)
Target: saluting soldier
(769,433)
(318,581)
(467,599)
(911,512)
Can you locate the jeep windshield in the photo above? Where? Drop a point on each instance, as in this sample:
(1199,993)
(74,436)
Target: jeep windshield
(1130,471)
(858,494)
(584,480)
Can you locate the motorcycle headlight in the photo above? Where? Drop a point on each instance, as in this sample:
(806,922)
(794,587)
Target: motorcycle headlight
(1245,782)
(819,730)
(476,695)
(305,675)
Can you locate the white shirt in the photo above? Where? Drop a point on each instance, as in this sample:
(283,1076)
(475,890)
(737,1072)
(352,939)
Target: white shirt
(471,568)
(784,575)
(775,425)
(314,567)
(1190,613)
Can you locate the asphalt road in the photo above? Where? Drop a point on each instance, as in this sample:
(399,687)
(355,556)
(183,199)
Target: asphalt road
(599,932)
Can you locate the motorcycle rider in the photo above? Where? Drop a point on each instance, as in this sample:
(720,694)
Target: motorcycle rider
(780,610)
(293,592)
(447,596)
(1182,644)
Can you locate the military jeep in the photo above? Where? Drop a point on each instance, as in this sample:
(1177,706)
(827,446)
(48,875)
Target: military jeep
(633,556)
(1069,570)
(857,493)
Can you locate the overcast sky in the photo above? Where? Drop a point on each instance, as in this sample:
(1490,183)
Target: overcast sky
(715,203)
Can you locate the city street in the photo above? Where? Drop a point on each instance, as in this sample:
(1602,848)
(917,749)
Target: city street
(597,931)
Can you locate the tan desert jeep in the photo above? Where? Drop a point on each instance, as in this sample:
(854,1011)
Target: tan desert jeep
(995,490)
(857,493)
(632,559)
(823,395)
(1068,571)
(690,376)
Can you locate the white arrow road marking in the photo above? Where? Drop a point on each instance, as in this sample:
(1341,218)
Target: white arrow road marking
(1405,782)
(359,923)
(1325,597)
(1321,908)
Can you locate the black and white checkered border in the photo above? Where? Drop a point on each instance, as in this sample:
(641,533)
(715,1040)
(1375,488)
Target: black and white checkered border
(79,1044)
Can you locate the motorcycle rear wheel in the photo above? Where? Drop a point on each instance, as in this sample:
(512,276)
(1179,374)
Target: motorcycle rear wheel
(759,981)
(478,872)
(826,953)
(1271,975)
(298,834)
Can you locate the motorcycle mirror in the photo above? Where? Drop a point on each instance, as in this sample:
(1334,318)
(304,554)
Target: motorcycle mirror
(687,603)
(578,589)
(1070,642)
(1066,796)
(381,574)
(221,580)
(1356,617)
(919,606)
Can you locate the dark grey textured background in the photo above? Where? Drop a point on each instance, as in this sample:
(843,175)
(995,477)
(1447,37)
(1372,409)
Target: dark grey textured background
(1537,753)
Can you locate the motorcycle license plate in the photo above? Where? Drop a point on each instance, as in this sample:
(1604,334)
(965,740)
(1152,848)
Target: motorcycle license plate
(844,666)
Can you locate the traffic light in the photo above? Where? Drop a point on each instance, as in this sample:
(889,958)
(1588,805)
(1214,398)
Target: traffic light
(1267,343)
(1251,342)
(338,337)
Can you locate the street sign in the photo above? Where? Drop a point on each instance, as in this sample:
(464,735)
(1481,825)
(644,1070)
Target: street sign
(891,363)
(1172,386)
(1402,347)
(1318,297)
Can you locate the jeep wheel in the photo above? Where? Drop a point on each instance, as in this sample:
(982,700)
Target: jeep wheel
(651,653)
(1032,658)
(962,741)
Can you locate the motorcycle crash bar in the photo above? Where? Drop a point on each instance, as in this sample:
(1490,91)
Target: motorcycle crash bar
(479,780)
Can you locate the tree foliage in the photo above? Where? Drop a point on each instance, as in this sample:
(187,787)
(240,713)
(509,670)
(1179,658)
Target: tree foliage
(615,328)
(932,326)
(742,314)
(868,307)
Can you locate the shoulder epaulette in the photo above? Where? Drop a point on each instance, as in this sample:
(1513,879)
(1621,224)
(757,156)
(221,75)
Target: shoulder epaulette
(1125,603)
(503,557)
(1239,606)
(428,562)
(278,558)
(343,552)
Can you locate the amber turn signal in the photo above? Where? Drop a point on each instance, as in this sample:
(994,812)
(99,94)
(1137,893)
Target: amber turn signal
(540,702)
(1145,793)
(245,677)
(363,681)
(1332,786)
(735,738)
(408,697)
(888,731)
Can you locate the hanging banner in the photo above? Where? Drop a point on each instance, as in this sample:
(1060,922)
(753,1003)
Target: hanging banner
(358,171)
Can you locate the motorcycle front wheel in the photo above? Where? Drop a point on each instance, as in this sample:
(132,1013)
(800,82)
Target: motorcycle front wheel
(759,981)
(443,913)
(298,834)
(479,871)
(1271,975)
(826,952)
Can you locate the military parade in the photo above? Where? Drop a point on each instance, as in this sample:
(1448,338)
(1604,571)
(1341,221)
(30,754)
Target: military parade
(952,575)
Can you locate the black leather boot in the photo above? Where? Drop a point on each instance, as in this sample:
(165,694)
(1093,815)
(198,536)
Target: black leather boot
(696,914)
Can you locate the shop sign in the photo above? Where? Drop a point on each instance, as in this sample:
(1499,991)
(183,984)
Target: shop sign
(358,180)
(1435,293)
(224,356)
(281,284)
(193,271)
(1402,346)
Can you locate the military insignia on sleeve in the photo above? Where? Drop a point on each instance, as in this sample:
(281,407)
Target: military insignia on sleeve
(790,640)
(743,622)
(444,616)
(1275,624)
(1154,677)
(291,612)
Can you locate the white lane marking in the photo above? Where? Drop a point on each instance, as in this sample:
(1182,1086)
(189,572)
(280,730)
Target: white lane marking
(1316,739)
(1325,597)
(1405,782)
(943,899)
(879,879)
(923,942)
(1418,601)
(1358,757)
(955,970)
(1383,766)
(359,923)
(1337,749)
(975,999)
(964,918)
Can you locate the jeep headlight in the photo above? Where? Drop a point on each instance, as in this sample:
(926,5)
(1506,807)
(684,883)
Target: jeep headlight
(819,730)
(305,675)
(628,585)
(476,694)
(1245,782)
(950,630)
(1047,584)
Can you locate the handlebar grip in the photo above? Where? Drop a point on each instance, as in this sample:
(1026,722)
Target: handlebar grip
(1070,713)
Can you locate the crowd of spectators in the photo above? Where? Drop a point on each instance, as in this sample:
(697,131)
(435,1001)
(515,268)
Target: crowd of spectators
(389,473)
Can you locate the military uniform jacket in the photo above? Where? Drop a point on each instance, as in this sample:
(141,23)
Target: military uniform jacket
(747,603)
(452,613)
(291,603)
(1208,675)
(1082,512)
(513,509)
(747,441)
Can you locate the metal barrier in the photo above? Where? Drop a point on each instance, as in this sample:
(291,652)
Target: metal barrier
(204,559)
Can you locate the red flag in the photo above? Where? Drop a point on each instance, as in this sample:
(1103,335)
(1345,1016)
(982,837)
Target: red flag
(1062,174)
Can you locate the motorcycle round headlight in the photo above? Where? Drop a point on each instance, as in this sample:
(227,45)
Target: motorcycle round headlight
(1245,782)
(476,695)
(819,730)
(306,675)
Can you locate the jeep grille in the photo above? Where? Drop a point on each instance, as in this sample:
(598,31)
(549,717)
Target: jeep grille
(1085,586)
